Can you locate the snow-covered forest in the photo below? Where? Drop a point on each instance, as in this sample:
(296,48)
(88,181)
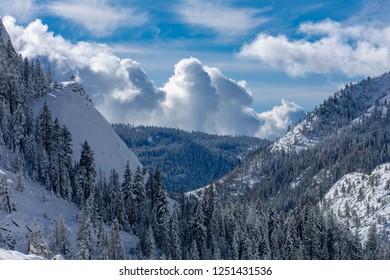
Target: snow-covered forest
(272,206)
(188,160)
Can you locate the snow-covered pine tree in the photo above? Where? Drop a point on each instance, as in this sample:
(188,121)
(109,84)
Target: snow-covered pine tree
(39,82)
(148,244)
(60,243)
(32,157)
(216,252)
(19,184)
(44,139)
(100,198)
(209,201)
(6,202)
(235,246)
(292,244)
(37,242)
(127,192)
(18,124)
(85,174)
(45,129)
(26,76)
(194,252)
(199,231)
(140,211)
(84,236)
(115,245)
(174,235)
(2,145)
(66,163)
(162,215)
(6,123)
(102,242)
(371,244)
(245,251)
(116,203)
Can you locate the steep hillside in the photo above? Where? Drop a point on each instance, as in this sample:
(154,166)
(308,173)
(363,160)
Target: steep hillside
(48,201)
(187,160)
(33,217)
(362,200)
(336,112)
(347,133)
(73,108)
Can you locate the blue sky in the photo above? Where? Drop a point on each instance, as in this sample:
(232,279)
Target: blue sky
(300,51)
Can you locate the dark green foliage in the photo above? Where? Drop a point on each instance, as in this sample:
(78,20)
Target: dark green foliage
(187,159)
(85,174)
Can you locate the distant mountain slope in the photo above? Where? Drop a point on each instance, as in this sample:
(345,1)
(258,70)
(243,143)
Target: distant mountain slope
(187,159)
(71,105)
(347,133)
(336,112)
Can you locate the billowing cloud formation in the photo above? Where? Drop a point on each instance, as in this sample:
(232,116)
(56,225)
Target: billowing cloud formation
(354,50)
(196,97)
(220,17)
(278,119)
(97,16)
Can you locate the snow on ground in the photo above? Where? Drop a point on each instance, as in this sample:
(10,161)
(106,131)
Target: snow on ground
(15,255)
(35,207)
(370,91)
(360,199)
(74,108)
(295,140)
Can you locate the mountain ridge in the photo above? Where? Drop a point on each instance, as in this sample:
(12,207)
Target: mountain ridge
(347,133)
(355,99)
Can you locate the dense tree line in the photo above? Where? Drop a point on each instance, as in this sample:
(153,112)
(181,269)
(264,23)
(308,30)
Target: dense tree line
(207,227)
(187,159)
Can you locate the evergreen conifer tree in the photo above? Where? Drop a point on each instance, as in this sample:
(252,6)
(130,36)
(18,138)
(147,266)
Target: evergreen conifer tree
(60,243)
(84,236)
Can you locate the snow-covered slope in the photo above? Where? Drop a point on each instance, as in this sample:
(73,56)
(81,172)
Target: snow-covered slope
(72,106)
(359,200)
(295,139)
(35,208)
(15,255)
(347,104)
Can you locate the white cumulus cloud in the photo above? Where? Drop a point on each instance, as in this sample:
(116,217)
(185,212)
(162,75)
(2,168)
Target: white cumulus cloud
(195,97)
(279,118)
(328,47)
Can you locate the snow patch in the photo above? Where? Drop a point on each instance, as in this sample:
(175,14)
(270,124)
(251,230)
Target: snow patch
(295,139)
(74,108)
(15,255)
(360,199)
